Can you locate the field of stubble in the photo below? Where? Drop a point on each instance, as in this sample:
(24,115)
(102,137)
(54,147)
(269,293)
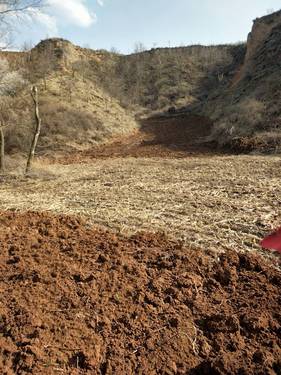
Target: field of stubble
(219,202)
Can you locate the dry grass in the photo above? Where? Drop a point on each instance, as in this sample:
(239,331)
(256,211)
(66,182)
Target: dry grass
(210,202)
(75,112)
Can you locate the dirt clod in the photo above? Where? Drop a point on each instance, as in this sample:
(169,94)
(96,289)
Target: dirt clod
(93,302)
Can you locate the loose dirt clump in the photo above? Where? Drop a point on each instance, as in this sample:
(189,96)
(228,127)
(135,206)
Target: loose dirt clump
(80,300)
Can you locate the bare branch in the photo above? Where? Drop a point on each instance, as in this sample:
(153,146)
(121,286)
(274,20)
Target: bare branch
(18,6)
(9,9)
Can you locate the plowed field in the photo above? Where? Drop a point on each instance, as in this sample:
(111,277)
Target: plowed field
(141,257)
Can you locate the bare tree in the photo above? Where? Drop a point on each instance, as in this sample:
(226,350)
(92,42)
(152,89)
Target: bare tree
(18,6)
(2,149)
(34,94)
(27,46)
(114,50)
(4,109)
(11,9)
(139,47)
(10,81)
(67,85)
(81,67)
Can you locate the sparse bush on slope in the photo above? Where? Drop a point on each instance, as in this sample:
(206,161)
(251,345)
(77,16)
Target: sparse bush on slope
(239,120)
(246,109)
(161,78)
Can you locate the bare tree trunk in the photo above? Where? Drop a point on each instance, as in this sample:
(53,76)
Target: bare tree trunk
(2,150)
(34,94)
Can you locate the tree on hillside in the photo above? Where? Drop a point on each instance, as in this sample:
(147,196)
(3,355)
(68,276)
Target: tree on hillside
(82,68)
(139,47)
(34,94)
(11,9)
(27,46)
(10,81)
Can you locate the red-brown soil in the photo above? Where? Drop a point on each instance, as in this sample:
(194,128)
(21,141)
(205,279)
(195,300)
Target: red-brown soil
(79,300)
(175,136)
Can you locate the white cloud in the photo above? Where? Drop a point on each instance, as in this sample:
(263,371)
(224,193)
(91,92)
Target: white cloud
(100,2)
(53,14)
(73,12)
(63,12)
(47,20)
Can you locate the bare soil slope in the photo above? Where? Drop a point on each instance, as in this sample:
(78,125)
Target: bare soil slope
(77,300)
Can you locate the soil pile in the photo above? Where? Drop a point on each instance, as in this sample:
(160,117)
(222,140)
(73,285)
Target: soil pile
(79,300)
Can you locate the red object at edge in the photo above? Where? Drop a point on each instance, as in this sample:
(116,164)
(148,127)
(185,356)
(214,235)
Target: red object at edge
(273,242)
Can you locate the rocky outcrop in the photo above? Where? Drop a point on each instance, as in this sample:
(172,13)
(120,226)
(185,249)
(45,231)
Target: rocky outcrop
(247,109)
(263,45)
(55,53)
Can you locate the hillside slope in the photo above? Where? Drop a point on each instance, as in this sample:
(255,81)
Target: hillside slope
(89,97)
(170,77)
(247,107)
(76,111)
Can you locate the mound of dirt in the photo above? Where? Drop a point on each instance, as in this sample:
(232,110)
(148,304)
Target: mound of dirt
(80,300)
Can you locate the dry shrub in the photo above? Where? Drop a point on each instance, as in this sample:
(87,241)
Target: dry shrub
(239,120)
(15,164)
(209,56)
(18,138)
(60,124)
(61,120)
(262,142)
(19,127)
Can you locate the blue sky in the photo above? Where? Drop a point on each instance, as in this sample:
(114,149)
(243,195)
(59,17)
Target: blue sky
(122,23)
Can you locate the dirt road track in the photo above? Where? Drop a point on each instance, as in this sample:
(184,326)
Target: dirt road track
(174,137)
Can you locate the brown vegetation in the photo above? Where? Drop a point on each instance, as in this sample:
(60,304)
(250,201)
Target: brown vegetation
(75,110)
(161,78)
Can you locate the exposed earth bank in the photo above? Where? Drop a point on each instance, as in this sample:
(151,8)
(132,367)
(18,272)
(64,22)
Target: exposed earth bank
(78,300)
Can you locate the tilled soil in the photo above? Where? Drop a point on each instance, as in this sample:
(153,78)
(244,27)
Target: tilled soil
(79,300)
